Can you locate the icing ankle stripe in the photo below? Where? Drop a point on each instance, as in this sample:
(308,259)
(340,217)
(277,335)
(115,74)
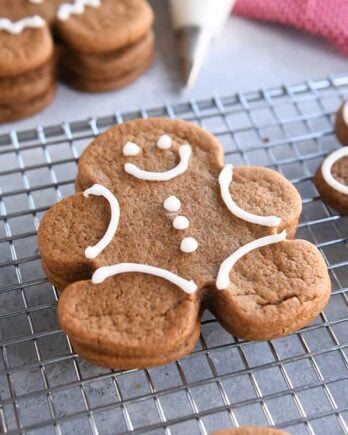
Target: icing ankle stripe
(326,170)
(77,8)
(225,179)
(223,277)
(16,27)
(99,190)
(184,153)
(107,271)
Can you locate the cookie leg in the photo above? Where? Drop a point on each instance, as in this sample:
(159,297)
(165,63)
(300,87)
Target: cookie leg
(273,291)
(130,320)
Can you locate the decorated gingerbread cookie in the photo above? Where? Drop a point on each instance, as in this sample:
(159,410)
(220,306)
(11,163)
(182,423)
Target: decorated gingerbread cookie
(27,78)
(331,179)
(160,230)
(103,45)
(250,430)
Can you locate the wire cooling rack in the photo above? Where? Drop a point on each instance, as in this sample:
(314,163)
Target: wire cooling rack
(299,382)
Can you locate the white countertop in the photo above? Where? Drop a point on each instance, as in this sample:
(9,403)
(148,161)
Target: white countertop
(248,55)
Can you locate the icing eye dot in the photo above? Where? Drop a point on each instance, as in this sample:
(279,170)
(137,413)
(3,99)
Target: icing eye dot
(181,223)
(172,203)
(131,149)
(188,245)
(164,142)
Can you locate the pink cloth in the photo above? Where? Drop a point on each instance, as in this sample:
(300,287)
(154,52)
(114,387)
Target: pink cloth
(327,18)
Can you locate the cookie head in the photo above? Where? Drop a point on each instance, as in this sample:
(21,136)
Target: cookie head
(161,229)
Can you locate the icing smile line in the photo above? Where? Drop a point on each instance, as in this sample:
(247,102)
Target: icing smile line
(107,271)
(184,153)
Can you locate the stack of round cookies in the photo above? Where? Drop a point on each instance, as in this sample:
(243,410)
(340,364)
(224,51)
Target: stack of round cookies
(97,45)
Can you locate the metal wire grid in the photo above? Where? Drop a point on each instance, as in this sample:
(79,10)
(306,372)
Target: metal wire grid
(299,382)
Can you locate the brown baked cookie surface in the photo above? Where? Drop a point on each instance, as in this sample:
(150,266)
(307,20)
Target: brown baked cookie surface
(113,25)
(341,123)
(250,430)
(331,194)
(166,178)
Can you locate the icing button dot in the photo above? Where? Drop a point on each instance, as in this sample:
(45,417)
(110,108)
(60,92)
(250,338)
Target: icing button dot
(131,149)
(188,245)
(172,203)
(164,142)
(181,223)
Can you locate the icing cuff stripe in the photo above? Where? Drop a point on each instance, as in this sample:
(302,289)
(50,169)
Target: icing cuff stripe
(77,8)
(326,170)
(225,179)
(16,27)
(107,271)
(223,277)
(99,190)
(184,153)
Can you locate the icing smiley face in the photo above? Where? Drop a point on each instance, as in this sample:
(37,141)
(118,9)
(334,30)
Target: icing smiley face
(141,295)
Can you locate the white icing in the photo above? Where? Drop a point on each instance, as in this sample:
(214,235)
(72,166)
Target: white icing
(327,166)
(223,277)
(77,8)
(16,27)
(188,245)
(105,272)
(131,149)
(36,1)
(184,153)
(172,204)
(345,113)
(99,190)
(164,142)
(181,223)
(225,179)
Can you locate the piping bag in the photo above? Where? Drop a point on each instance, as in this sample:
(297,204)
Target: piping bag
(197,23)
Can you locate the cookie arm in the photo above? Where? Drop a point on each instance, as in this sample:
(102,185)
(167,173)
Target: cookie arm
(273,291)
(65,232)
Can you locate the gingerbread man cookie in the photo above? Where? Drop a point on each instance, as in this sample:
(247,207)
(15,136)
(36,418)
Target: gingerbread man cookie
(160,230)
(331,179)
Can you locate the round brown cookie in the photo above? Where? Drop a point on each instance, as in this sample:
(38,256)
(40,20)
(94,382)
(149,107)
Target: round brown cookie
(134,315)
(18,9)
(87,84)
(336,199)
(24,52)
(17,111)
(109,65)
(25,87)
(341,124)
(113,25)
(250,430)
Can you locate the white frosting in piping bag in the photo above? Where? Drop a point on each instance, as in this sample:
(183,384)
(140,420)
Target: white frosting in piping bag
(77,8)
(327,166)
(16,27)
(223,277)
(225,179)
(99,190)
(184,153)
(105,272)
